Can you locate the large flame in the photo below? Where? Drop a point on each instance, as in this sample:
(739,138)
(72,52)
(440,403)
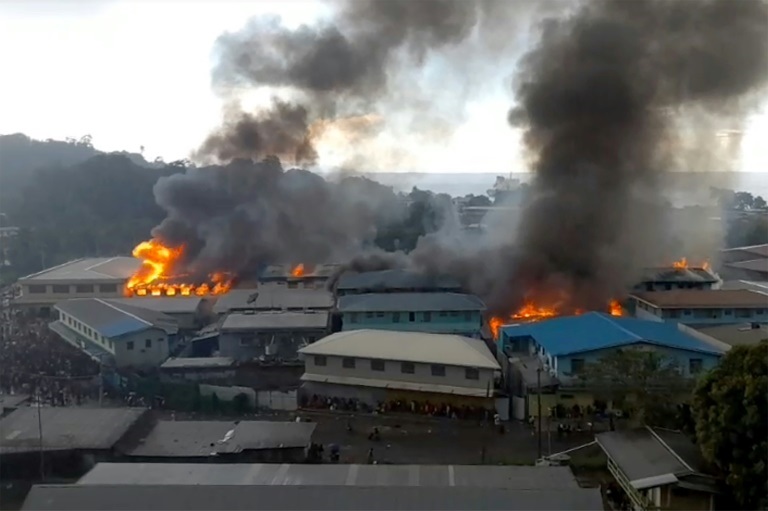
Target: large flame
(682,264)
(531,312)
(157,274)
(298,271)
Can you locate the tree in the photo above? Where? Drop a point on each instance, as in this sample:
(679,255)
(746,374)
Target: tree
(730,407)
(646,381)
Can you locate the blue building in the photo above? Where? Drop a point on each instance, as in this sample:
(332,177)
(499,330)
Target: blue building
(395,281)
(702,308)
(567,344)
(443,313)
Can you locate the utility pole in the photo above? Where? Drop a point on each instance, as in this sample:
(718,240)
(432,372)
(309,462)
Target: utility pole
(538,399)
(40,426)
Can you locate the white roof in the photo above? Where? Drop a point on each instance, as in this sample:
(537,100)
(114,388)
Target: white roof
(395,384)
(417,347)
(164,304)
(92,269)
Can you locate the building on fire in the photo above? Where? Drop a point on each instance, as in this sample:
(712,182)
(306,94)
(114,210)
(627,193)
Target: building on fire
(270,335)
(698,308)
(95,277)
(440,313)
(394,281)
(557,351)
(670,278)
(377,366)
(125,335)
(297,276)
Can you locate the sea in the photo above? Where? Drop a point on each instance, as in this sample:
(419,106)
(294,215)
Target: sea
(681,187)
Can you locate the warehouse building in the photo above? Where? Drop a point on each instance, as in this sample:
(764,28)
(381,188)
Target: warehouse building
(440,313)
(126,335)
(271,335)
(95,277)
(73,439)
(274,299)
(297,276)
(699,308)
(377,366)
(222,442)
(323,487)
(190,312)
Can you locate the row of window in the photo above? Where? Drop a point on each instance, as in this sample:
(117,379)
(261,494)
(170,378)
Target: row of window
(87,331)
(470,373)
(426,316)
(695,365)
(147,344)
(64,289)
(704,313)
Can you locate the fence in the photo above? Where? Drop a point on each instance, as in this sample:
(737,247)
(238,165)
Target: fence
(277,400)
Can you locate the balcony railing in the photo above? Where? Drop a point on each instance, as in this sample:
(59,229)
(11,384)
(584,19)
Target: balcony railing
(640,501)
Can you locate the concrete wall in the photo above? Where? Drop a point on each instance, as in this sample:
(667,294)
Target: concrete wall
(132,349)
(245,345)
(708,316)
(435,321)
(454,376)
(66,290)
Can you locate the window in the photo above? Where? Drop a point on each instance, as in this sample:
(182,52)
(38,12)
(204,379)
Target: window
(108,288)
(246,341)
(353,317)
(442,314)
(427,317)
(695,365)
(377,365)
(438,370)
(674,313)
(668,287)
(759,311)
(727,312)
(468,316)
(472,374)
(293,285)
(577,365)
(686,312)
(454,314)
(369,314)
(84,288)
(348,363)
(129,345)
(147,343)
(60,288)
(37,289)
(407,368)
(311,339)
(411,317)
(320,360)
(395,317)
(743,313)
(379,314)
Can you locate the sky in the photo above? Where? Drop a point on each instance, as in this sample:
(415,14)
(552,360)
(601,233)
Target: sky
(137,73)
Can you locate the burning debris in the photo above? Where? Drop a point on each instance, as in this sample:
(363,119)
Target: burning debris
(157,275)
(682,264)
(298,271)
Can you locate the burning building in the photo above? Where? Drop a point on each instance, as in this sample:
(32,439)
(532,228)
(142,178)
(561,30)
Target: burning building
(678,275)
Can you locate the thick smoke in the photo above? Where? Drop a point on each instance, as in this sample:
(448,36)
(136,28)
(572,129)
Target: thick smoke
(361,62)
(599,98)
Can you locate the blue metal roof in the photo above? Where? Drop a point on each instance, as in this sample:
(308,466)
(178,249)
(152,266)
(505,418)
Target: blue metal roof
(596,330)
(125,325)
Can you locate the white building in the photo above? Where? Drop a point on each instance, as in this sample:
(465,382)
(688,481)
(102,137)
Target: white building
(380,366)
(131,336)
(97,277)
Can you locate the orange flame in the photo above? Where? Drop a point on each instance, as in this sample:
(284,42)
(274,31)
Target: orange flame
(158,265)
(531,312)
(298,271)
(683,264)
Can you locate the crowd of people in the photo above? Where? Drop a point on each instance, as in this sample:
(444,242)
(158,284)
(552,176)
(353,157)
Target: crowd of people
(36,362)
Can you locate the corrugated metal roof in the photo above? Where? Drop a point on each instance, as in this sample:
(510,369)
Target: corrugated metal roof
(640,455)
(321,498)
(270,298)
(441,476)
(743,334)
(405,346)
(166,305)
(275,320)
(374,281)
(210,438)
(760,265)
(670,274)
(595,330)
(703,298)
(114,320)
(92,268)
(396,384)
(393,302)
(759,250)
(66,428)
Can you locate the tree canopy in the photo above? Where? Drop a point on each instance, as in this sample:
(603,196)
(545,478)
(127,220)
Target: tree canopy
(730,408)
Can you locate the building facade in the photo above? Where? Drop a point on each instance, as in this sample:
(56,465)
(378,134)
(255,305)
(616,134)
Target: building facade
(123,335)
(670,278)
(443,313)
(374,366)
(713,307)
(100,277)
(270,335)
